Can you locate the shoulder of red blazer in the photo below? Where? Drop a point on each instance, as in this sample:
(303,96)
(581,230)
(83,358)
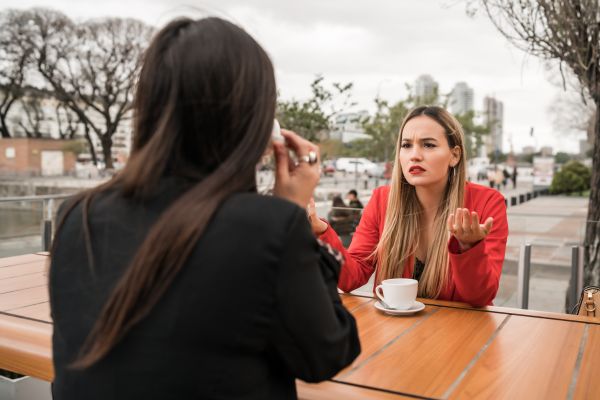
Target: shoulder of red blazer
(478,195)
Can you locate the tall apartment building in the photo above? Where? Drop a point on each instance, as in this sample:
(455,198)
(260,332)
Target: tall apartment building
(493,116)
(426,88)
(347,127)
(461,99)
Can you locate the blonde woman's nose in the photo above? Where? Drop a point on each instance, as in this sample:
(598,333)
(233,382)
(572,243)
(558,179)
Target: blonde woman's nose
(415,153)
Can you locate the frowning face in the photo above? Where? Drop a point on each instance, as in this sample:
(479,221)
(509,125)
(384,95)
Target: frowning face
(425,155)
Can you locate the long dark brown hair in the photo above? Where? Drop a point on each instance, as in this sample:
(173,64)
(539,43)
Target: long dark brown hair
(203,109)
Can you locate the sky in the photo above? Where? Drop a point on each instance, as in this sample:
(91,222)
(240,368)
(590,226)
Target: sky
(379,45)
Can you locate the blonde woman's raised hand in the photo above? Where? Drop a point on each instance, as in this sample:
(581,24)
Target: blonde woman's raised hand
(465,227)
(296,181)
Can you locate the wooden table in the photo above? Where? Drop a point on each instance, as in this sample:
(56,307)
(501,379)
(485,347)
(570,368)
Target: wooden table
(448,350)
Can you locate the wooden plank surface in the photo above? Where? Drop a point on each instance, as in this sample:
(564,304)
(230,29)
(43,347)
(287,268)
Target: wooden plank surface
(24,259)
(588,379)
(40,311)
(21,282)
(22,298)
(15,271)
(514,311)
(353,302)
(377,330)
(448,349)
(530,358)
(426,360)
(338,391)
(26,347)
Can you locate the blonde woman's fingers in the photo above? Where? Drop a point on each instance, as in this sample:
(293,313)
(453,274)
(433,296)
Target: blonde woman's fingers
(450,223)
(487,226)
(466,221)
(474,220)
(458,221)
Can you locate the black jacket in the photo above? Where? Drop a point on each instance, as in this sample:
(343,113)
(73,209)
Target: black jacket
(254,307)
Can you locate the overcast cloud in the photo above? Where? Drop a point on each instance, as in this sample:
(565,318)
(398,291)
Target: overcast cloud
(379,45)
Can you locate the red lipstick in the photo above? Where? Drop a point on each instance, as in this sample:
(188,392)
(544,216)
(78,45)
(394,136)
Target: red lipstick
(416,170)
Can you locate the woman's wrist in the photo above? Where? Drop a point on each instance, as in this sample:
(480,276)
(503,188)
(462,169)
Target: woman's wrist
(464,246)
(319,227)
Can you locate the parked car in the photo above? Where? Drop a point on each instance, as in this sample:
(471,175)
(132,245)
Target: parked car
(328,168)
(355,164)
(382,170)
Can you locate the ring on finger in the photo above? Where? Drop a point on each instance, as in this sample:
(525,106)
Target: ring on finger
(311,158)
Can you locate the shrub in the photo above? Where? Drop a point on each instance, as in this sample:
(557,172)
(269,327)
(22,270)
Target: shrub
(573,177)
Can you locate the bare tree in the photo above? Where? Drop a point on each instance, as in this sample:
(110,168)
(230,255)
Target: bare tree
(66,121)
(15,56)
(91,67)
(567,31)
(32,116)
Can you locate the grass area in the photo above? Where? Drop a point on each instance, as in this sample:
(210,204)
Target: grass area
(586,193)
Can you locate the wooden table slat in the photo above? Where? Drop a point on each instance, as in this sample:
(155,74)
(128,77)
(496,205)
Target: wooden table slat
(23,282)
(24,259)
(376,330)
(22,298)
(353,302)
(26,347)
(429,358)
(339,391)
(40,311)
(588,380)
(529,359)
(15,271)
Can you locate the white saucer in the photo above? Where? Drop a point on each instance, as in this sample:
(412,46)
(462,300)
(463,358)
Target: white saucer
(418,306)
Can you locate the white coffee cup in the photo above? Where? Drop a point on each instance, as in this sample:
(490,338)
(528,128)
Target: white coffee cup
(399,293)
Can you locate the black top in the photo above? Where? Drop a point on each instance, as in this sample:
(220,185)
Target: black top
(254,307)
(355,204)
(418,269)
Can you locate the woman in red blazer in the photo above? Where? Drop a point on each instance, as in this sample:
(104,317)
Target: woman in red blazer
(429,223)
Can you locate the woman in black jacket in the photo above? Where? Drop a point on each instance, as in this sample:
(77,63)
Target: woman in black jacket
(176,279)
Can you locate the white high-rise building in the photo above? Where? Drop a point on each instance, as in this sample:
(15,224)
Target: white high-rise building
(461,99)
(425,87)
(348,126)
(493,116)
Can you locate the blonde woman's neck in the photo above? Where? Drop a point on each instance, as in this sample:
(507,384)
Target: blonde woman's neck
(430,197)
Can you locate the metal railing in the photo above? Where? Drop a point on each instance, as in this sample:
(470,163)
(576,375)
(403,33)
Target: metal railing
(524,276)
(48,212)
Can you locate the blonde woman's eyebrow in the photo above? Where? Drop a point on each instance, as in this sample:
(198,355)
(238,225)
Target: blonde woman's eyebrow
(420,140)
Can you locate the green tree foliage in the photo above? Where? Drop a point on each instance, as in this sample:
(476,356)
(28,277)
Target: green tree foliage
(574,177)
(384,127)
(312,118)
(474,133)
(562,157)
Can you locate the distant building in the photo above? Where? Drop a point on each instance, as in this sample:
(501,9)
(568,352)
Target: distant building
(528,150)
(547,151)
(39,112)
(461,99)
(36,157)
(426,88)
(348,127)
(584,146)
(493,116)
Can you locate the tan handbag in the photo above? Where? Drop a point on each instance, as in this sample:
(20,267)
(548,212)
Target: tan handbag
(589,304)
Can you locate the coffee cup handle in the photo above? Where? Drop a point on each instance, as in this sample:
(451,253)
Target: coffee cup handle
(380,294)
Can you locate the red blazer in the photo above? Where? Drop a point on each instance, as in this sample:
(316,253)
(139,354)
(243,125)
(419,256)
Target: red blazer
(474,275)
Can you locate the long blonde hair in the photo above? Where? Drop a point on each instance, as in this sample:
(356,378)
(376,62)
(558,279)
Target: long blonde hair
(400,238)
